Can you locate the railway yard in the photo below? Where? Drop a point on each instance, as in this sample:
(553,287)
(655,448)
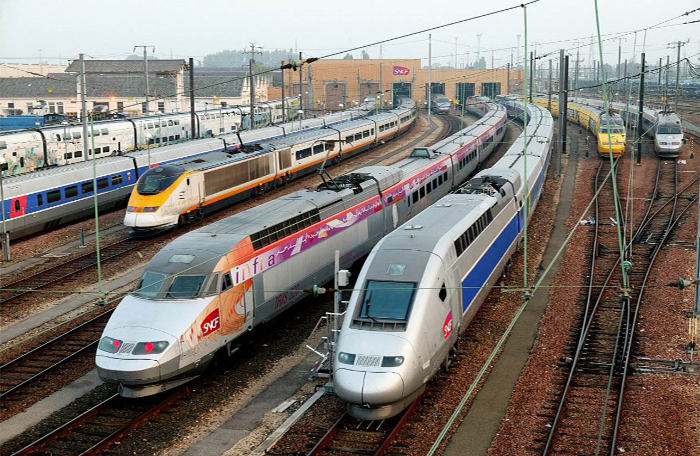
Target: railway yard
(53,350)
(342,254)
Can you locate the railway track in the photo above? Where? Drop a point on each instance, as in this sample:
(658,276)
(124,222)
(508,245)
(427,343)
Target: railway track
(101,426)
(355,436)
(591,397)
(21,378)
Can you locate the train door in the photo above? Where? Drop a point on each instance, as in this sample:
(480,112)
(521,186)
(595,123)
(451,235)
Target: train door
(18,207)
(249,302)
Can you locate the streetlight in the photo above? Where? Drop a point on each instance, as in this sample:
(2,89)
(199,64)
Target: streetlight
(341,106)
(300,113)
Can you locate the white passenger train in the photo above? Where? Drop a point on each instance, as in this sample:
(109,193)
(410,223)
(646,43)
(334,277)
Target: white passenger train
(423,283)
(59,145)
(208,287)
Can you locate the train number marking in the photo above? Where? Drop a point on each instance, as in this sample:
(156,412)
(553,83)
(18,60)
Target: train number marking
(447,326)
(211,323)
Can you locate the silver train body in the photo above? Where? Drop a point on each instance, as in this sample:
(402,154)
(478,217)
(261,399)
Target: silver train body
(205,289)
(440,104)
(58,145)
(665,127)
(423,283)
(46,198)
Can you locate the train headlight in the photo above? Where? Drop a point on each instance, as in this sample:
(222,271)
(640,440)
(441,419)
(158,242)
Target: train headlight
(392,361)
(150,208)
(346,358)
(110,345)
(150,348)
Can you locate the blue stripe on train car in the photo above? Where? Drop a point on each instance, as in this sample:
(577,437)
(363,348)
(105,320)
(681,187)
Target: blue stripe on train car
(472,283)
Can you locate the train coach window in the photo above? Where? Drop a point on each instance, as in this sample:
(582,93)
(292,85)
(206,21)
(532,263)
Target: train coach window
(184,287)
(372,131)
(105,149)
(349,139)
(105,131)
(78,153)
(358,136)
(318,148)
(117,179)
(365,133)
(3,145)
(40,199)
(86,187)
(68,155)
(76,135)
(443,293)
(53,196)
(102,183)
(170,123)
(71,191)
(58,137)
(226,282)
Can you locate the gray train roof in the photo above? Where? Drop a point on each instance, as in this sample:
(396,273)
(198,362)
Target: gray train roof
(454,142)
(669,118)
(540,130)
(216,158)
(453,212)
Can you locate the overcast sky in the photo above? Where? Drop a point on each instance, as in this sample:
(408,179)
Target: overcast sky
(108,29)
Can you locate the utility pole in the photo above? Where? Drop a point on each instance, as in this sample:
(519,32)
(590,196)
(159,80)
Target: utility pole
(678,73)
(549,88)
(532,64)
(566,100)
(640,133)
(301,87)
(562,112)
(619,55)
(668,67)
(661,64)
(193,123)
(430,66)
(251,66)
(508,77)
(145,64)
(456,52)
(83,108)
(284,108)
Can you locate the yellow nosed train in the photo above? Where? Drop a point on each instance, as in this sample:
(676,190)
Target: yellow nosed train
(609,129)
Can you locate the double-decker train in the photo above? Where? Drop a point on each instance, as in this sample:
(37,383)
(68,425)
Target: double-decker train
(58,145)
(206,288)
(423,283)
(46,198)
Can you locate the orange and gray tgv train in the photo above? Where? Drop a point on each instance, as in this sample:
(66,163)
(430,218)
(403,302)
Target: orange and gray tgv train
(181,191)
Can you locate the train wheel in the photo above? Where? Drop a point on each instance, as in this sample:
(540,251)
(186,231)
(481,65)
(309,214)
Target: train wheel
(181,220)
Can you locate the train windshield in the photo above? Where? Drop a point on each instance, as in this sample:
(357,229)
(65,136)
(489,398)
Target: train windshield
(150,284)
(184,287)
(613,130)
(387,300)
(157,179)
(670,130)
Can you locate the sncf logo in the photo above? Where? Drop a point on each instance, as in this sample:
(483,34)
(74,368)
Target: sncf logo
(399,70)
(447,326)
(211,323)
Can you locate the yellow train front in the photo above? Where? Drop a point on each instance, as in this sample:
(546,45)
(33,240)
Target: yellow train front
(160,199)
(608,128)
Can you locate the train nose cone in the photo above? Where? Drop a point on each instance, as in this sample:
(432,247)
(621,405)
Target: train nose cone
(135,220)
(373,388)
(127,371)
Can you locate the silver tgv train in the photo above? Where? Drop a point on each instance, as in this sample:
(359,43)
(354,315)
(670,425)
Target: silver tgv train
(423,283)
(206,288)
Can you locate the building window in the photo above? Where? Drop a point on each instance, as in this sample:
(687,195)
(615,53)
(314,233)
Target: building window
(120,105)
(52,107)
(161,106)
(10,105)
(144,109)
(59,106)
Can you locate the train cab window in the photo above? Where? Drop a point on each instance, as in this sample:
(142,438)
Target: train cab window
(443,293)
(102,183)
(186,286)
(40,199)
(226,282)
(150,284)
(177,122)
(71,191)
(86,187)
(53,196)
(387,300)
(58,137)
(170,123)
(117,179)
(157,179)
